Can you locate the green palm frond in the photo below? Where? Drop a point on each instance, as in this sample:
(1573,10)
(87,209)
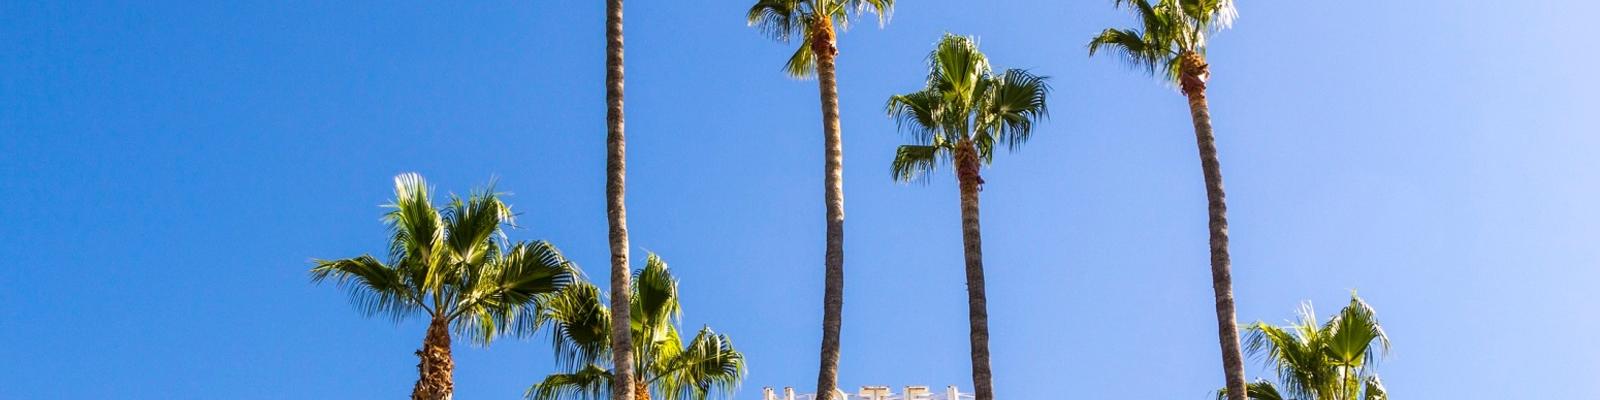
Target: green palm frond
(1352,333)
(655,298)
(955,68)
(416,231)
(1373,389)
(580,325)
(506,296)
(474,224)
(916,162)
(1258,390)
(781,20)
(1131,47)
(375,288)
(709,364)
(1015,100)
(803,64)
(590,382)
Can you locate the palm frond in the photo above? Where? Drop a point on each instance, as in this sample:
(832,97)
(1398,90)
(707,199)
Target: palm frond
(508,296)
(375,289)
(416,230)
(920,114)
(655,299)
(1259,390)
(916,162)
(1014,101)
(1374,390)
(1354,336)
(803,64)
(580,325)
(956,67)
(592,382)
(780,20)
(1130,46)
(474,223)
(709,364)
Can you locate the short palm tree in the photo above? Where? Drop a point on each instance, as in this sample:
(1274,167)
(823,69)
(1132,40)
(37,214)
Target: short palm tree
(667,368)
(1333,360)
(1171,41)
(963,113)
(816,23)
(454,266)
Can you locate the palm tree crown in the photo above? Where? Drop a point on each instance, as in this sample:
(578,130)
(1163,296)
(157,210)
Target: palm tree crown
(1332,360)
(964,102)
(667,366)
(811,21)
(453,263)
(1170,29)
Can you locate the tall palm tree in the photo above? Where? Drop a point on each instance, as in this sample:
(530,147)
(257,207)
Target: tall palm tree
(1171,41)
(667,367)
(1333,360)
(616,210)
(815,23)
(455,266)
(963,113)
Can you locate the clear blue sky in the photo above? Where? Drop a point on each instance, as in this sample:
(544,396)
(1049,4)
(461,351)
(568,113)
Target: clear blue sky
(168,170)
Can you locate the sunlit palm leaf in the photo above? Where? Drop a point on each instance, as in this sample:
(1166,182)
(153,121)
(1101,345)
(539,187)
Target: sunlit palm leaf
(590,382)
(375,289)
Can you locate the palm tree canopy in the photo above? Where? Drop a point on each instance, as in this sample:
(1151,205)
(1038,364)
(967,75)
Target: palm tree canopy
(964,100)
(785,20)
(1332,360)
(579,320)
(452,262)
(1167,29)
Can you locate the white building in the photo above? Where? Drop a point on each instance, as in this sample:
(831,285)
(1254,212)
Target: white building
(872,393)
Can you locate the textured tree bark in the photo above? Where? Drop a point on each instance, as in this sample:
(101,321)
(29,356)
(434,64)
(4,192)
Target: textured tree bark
(435,368)
(822,45)
(1194,73)
(616,213)
(640,390)
(967,173)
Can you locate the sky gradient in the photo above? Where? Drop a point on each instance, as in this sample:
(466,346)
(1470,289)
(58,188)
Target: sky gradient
(169,169)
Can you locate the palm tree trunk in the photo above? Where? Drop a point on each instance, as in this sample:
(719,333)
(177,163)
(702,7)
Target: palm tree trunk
(967,167)
(616,214)
(1193,81)
(640,390)
(822,45)
(435,368)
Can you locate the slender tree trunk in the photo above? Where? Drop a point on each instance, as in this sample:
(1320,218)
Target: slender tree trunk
(616,214)
(822,45)
(967,168)
(435,368)
(1195,72)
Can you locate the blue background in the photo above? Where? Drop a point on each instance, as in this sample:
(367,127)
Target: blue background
(168,169)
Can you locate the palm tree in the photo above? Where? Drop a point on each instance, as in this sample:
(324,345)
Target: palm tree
(1333,360)
(667,367)
(1172,42)
(965,110)
(815,22)
(616,210)
(455,266)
